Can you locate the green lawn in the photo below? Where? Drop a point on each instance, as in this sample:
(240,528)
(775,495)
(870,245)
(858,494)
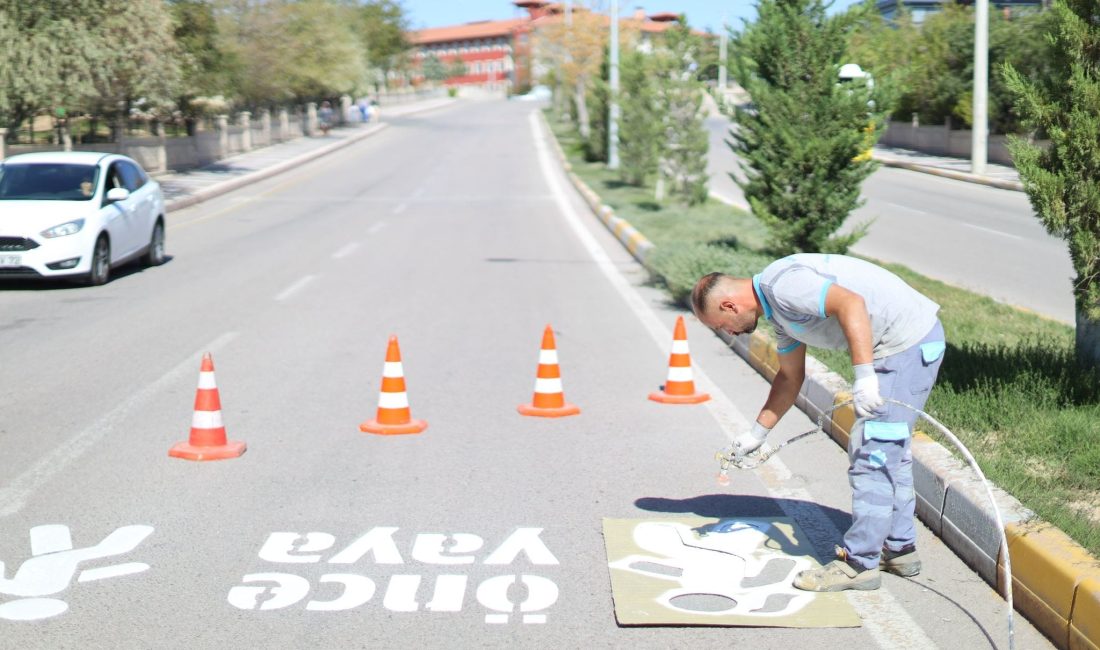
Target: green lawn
(1009,387)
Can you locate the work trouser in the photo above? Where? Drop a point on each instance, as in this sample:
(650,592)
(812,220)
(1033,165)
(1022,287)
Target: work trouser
(881,460)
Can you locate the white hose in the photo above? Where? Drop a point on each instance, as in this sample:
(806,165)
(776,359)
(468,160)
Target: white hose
(728,459)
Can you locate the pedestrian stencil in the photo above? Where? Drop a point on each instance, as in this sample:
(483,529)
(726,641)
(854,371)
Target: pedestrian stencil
(695,571)
(53,564)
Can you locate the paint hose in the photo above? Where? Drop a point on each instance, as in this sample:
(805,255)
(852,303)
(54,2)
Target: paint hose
(727,458)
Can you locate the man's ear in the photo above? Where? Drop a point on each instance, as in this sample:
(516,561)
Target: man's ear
(728,305)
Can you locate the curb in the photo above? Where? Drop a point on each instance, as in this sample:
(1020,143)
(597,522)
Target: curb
(952,174)
(1055,581)
(225,187)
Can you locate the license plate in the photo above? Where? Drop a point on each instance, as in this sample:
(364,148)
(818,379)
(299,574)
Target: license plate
(11,260)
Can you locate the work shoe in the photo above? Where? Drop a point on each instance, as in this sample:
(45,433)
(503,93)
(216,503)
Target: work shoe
(904,563)
(838,575)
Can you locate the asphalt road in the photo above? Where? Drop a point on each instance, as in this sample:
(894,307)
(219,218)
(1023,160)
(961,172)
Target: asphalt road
(455,231)
(969,235)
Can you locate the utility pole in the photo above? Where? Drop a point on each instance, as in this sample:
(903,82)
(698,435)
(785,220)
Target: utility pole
(722,57)
(980,127)
(613,94)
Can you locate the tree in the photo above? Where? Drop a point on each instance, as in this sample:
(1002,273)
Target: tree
(292,50)
(205,68)
(575,48)
(683,148)
(1063,181)
(799,140)
(639,132)
(382,28)
(137,60)
(599,100)
(434,70)
(48,57)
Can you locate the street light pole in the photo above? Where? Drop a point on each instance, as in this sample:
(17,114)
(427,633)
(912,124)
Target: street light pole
(613,92)
(980,128)
(722,57)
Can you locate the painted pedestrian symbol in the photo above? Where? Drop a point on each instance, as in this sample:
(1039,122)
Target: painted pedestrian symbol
(53,564)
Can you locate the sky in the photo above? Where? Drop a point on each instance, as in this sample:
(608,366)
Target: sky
(701,14)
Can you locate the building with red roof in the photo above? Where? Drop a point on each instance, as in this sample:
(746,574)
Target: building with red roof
(498,55)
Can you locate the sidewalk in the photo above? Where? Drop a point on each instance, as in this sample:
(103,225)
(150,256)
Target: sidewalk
(183,189)
(1002,176)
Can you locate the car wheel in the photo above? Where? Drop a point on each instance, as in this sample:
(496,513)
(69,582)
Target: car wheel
(101,262)
(155,255)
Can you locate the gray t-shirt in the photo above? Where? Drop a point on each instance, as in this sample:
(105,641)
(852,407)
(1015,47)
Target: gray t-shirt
(792,292)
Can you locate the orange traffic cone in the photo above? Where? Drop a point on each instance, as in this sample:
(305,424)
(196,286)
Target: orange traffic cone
(549,400)
(208,441)
(393,402)
(680,387)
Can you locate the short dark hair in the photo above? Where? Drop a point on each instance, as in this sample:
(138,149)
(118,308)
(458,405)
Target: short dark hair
(702,291)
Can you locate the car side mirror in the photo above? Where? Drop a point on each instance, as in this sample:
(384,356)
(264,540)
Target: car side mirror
(116,194)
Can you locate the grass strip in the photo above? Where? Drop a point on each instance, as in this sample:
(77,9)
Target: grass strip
(1009,387)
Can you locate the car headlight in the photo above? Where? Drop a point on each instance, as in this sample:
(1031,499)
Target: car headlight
(70,228)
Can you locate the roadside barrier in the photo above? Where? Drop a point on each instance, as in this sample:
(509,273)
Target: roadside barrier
(393,416)
(549,399)
(680,385)
(208,439)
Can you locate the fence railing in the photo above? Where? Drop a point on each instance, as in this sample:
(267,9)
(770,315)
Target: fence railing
(158,153)
(943,141)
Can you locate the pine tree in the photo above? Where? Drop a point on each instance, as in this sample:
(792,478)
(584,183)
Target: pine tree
(639,129)
(599,95)
(798,142)
(1063,181)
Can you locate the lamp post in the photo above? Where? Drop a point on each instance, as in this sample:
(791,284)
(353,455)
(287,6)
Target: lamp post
(613,92)
(979,134)
(722,57)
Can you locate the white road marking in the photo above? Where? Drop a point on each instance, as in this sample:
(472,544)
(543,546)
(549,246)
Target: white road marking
(346,250)
(990,230)
(884,618)
(899,206)
(376,227)
(89,575)
(295,288)
(400,207)
(13,497)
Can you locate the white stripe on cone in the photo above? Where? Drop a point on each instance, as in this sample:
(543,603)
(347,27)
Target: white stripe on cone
(548,386)
(393,400)
(548,357)
(206,380)
(679,374)
(207,420)
(679,347)
(393,369)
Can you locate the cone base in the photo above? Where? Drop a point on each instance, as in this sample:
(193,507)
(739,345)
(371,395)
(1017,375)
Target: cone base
(376,427)
(551,412)
(666,398)
(187,451)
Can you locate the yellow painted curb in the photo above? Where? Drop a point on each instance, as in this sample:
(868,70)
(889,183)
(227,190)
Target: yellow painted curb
(1047,567)
(759,346)
(844,418)
(1084,629)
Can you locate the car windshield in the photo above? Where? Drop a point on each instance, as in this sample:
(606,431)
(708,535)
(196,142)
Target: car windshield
(47,182)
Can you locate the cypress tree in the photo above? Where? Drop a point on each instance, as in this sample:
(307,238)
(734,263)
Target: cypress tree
(799,140)
(1063,180)
(639,128)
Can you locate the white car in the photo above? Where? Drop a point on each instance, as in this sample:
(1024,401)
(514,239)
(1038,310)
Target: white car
(77,214)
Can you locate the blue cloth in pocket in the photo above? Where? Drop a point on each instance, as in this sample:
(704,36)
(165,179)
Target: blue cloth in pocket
(885,431)
(932,351)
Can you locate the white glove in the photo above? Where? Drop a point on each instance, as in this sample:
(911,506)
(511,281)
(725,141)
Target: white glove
(750,441)
(865,391)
